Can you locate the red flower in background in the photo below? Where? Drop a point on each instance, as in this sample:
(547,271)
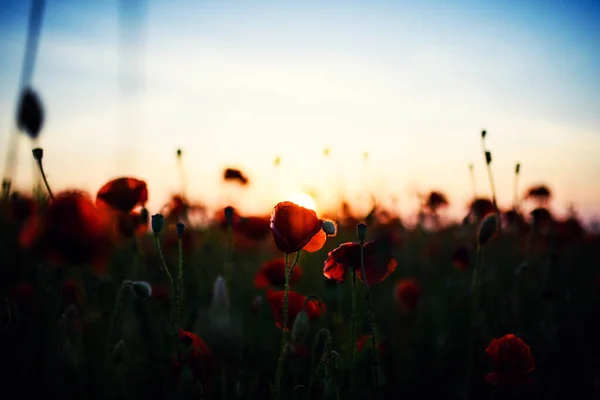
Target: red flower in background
(512,359)
(407,292)
(461,258)
(70,292)
(272,273)
(378,261)
(365,340)
(197,356)
(130,225)
(122,194)
(480,207)
(295,306)
(253,228)
(70,230)
(20,208)
(296,228)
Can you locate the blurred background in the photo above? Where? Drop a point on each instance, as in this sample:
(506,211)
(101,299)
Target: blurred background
(336,100)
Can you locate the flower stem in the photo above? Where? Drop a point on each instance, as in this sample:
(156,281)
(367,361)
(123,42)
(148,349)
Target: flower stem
(370,315)
(353,329)
(475,289)
(229,256)
(39,163)
(284,332)
(171,285)
(113,315)
(179,283)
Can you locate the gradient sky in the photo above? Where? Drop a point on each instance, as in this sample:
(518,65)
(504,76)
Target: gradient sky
(239,83)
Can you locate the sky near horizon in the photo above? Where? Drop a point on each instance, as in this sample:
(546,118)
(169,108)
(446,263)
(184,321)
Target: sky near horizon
(236,84)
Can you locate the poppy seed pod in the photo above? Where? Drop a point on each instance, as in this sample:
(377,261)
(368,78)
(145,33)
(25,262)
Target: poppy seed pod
(487,229)
(301,327)
(361,231)
(158,221)
(488,157)
(38,154)
(329,227)
(142,289)
(180,227)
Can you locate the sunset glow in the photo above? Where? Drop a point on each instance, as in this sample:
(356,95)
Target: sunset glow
(304,199)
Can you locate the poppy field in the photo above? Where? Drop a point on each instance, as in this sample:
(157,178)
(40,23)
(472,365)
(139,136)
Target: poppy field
(104,299)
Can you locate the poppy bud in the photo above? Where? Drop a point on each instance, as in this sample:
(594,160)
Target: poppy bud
(228,214)
(220,298)
(118,353)
(38,154)
(329,227)
(30,117)
(255,305)
(144,215)
(361,231)
(488,157)
(178,153)
(6,185)
(483,133)
(158,221)
(300,327)
(518,168)
(142,289)
(487,229)
(180,228)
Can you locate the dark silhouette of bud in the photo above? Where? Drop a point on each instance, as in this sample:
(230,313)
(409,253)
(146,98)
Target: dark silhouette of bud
(518,168)
(487,229)
(144,215)
(361,231)
(329,227)
(483,133)
(228,214)
(118,353)
(38,154)
(30,116)
(180,227)
(178,153)
(158,221)
(488,157)
(301,327)
(142,289)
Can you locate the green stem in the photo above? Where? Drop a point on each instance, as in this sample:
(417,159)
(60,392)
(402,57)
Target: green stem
(172,293)
(229,256)
(113,315)
(284,332)
(371,319)
(475,289)
(179,283)
(353,329)
(39,163)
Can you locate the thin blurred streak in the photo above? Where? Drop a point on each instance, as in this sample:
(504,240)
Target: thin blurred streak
(34,28)
(132,15)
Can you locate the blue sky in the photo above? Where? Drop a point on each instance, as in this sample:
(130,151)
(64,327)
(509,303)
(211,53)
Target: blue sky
(238,83)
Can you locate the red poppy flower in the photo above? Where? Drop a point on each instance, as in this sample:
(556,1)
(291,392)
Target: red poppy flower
(198,357)
(295,305)
(70,230)
(365,340)
(253,228)
(461,257)
(70,292)
(123,194)
(408,293)
(378,261)
(272,273)
(479,208)
(295,228)
(129,225)
(512,359)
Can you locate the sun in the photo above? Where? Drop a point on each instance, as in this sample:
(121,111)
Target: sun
(304,199)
